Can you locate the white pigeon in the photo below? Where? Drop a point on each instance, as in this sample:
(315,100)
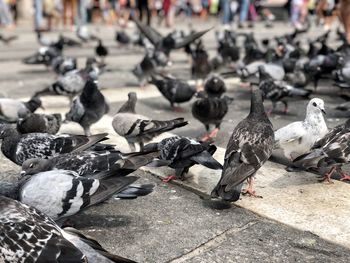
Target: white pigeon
(298,137)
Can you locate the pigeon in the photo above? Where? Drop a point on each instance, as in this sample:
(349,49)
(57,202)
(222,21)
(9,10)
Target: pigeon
(7,40)
(61,65)
(181,153)
(249,147)
(20,147)
(11,110)
(145,69)
(44,55)
(84,35)
(215,86)
(101,51)
(122,37)
(210,110)
(201,66)
(168,43)
(28,235)
(63,193)
(278,91)
(174,90)
(330,151)
(139,129)
(42,123)
(297,138)
(88,108)
(73,82)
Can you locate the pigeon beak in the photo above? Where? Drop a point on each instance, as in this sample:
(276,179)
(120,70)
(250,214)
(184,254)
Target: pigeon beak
(23,173)
(324,112)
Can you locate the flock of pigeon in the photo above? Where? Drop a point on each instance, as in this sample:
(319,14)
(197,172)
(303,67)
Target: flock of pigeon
(64,174)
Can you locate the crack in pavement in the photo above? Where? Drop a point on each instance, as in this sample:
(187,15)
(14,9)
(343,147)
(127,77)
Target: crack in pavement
(212,243)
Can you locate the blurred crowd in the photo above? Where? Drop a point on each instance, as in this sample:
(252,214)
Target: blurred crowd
(76,13)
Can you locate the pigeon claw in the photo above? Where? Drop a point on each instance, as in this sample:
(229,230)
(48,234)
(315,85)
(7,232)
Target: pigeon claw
(344,176)
(169,178)
(178,109)
(327,177)
(205,137)
(251,193)
(214,133)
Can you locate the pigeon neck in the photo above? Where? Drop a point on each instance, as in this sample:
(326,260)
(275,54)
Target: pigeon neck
(257,107)
(315,117)
(10,190)
(128,106)
(8,145)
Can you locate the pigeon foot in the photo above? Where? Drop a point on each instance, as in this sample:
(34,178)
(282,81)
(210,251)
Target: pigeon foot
(178,109)
(205,137)
(168,178)
(251,193)
(214,133)
(327,177)
(344,176)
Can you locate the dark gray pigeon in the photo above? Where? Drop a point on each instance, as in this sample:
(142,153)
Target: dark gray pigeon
(11,110)
(137,128)
(101,51)
(88,108)
(174,90)
(333,150)
(249,147)
(63,193)
(43,123)
(210,111)
(215,86)
(28,235)
(20,147)
(181,153)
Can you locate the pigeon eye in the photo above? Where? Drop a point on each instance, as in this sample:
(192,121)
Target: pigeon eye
(31,165)
(314,104)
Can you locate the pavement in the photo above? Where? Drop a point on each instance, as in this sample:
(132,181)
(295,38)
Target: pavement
(297,220)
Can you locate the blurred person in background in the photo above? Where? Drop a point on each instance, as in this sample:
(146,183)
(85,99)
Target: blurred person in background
(169,12)
(143,6)
(6,19)
(243,12)
(296,11)
(69,12)
(344,13)
(38,15)
(225,7)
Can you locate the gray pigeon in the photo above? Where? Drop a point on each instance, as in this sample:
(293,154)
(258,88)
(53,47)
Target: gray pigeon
(210,111)
(20,147)
(88,108)
(43,123)
(333,150)
(249,147)
(28,235)
(63,193)
(137,128)
(72,83)
(181,153)
(11,110)
(174,90)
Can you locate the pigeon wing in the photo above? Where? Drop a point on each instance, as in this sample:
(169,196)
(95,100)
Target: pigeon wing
(190,38)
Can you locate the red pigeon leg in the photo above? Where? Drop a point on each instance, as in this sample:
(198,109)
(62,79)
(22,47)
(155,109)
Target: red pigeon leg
(327,176)
(249,191)
(167,179)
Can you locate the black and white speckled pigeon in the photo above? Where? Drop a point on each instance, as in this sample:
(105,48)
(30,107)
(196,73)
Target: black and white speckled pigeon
(43,123)
(137,128)
(210,111)
(174,90)
(88,108)
(63,193)
(333,150)
(11,110)
(249,147)
(181,153)
(84,163)
(28,235)
(215,86)
(201,66)
(18,147)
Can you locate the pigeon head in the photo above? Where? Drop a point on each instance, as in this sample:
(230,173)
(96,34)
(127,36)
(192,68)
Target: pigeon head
(263,74)
(33,104)
(35,165)
(6,131)
(315,105)
(129,106)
